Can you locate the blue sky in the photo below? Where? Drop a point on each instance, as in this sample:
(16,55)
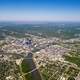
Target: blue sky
(39,10)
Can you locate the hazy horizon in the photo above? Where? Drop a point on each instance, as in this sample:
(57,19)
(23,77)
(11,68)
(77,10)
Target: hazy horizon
(40,10)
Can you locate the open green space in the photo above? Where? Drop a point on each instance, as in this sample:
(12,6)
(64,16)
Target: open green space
(73,59)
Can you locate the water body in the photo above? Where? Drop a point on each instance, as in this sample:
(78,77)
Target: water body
(35,74)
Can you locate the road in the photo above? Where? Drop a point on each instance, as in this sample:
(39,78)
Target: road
(33,70)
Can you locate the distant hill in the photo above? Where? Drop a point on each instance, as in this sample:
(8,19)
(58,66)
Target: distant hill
(62,30)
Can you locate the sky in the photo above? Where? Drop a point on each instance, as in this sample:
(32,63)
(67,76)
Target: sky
(39,10)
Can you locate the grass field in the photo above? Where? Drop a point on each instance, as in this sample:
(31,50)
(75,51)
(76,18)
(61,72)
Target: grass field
(73,59)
